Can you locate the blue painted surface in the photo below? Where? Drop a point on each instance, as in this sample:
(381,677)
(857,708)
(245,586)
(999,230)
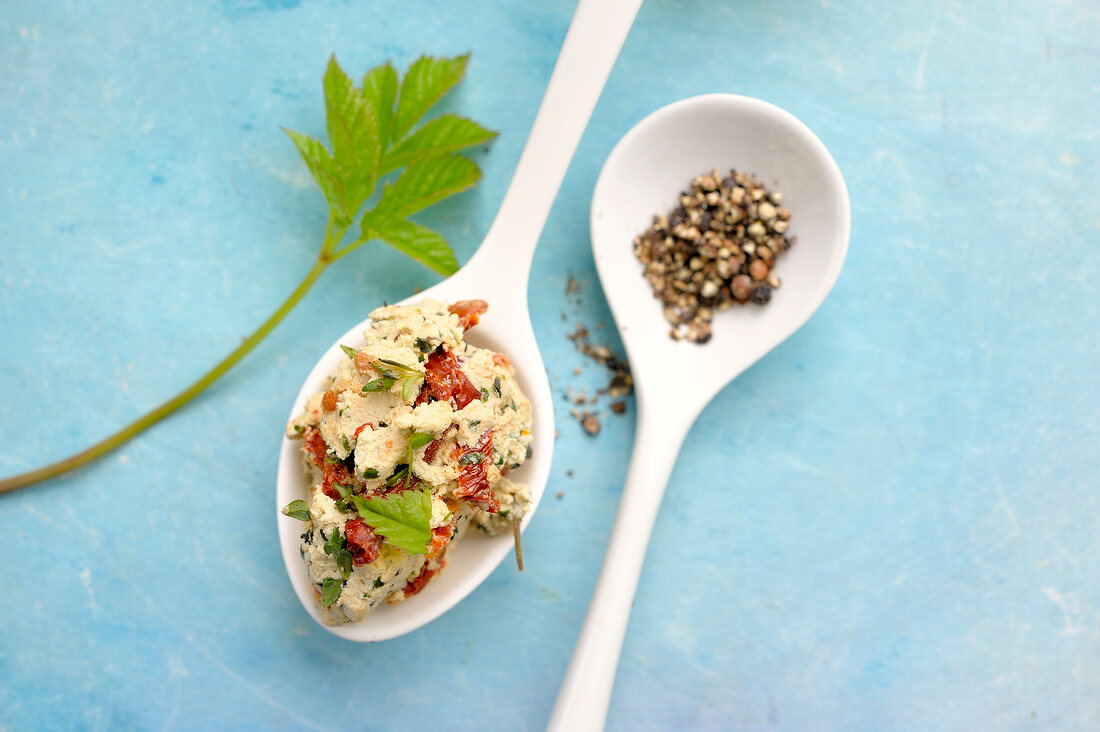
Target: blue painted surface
(889,522)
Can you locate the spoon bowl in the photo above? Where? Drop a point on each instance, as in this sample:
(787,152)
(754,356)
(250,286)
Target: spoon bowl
(674,380)
(645,174)
(498,273)
(505,329)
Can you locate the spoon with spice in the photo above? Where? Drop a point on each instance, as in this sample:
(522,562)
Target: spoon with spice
(661,167)
(498,273)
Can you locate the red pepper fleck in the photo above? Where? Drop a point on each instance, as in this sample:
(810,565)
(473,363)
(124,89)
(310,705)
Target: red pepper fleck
(444,380)
(363,542)
(473,480)
(469,312)
(360,428)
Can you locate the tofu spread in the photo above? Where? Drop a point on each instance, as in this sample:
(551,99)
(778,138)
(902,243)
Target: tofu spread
(408,447)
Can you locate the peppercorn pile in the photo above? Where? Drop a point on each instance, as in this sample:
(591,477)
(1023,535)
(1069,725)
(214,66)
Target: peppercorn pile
(716,248)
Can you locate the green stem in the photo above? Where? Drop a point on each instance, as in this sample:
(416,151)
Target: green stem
(140,425)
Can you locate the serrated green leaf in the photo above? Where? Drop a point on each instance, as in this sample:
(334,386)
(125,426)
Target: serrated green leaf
(323,169)
(403,519)
(446,134)
(353,131)
(427,80)
(380,90)
(423,183)
(419,242)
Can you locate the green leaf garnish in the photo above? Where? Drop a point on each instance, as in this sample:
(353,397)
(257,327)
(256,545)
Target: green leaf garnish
(484,394)
(408,389)
(426,81)
(370,473)
(330,591)
(419,439)
(348,350)
(372,130)
(380,92)
(446,134)
(336,546)
(297,510)
(382,384)
(471,458)
(402,519)
(419,242)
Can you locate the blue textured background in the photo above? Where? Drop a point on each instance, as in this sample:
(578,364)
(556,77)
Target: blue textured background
(892,521)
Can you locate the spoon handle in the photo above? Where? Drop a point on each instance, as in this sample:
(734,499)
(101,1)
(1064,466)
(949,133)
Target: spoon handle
(591,46)
(586,690)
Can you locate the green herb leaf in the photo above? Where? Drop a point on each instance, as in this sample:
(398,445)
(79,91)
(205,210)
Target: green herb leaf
(419,439)
(403,519)
(330,591)
(419,242)
(427,80)
(406,370)
(471,458)
(398,476)
(408,389)
(297,510)
(348,350)
(346,444)
(446,134)
(496,385)
(423,345)
(423,183)
(484,394)
(336,546)
(380,92)
(323,169)
(378,582)
(370,473)
(382,384)
(353,131)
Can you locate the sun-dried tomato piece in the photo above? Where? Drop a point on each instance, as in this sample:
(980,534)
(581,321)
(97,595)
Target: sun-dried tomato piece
(433,447)
(360,428)
(417,583)
(363,542)
(315,445)
(469,312)
(444,380)
(331,472)
(473,480)
(441,535)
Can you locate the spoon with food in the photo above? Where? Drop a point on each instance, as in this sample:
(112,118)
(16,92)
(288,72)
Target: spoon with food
(709,193)
(420,442)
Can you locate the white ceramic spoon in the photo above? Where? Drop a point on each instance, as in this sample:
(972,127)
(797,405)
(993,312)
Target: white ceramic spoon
(674,380)
(497,273)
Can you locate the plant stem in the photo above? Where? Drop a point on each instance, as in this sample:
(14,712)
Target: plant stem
(140,425)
